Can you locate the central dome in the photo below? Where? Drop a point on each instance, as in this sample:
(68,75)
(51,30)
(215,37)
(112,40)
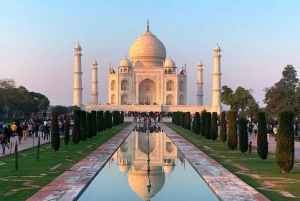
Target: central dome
(147,51)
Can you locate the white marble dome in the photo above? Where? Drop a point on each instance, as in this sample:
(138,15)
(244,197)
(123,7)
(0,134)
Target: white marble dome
(148,50)
(125,63)
(169,63)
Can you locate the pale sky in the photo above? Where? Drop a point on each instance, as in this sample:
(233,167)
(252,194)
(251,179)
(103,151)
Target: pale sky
(37,39)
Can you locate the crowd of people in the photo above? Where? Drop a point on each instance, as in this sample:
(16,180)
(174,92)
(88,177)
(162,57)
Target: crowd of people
(25,130)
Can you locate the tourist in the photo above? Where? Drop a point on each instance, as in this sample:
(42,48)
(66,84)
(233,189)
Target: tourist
(19,132)
(24,128)
(255,129)
(3,143)
(29,129)
(46,132)
(275,131)
(13,128)
(250,147)
(60,127)
(6,133)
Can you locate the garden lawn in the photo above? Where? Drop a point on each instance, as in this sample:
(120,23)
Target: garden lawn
(32,175)
(265,177)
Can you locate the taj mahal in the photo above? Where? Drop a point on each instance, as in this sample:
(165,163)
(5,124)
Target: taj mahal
(147,81)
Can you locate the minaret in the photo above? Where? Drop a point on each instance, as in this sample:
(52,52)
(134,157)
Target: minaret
(216,91)
(94,83)
(200,85)
(77,77)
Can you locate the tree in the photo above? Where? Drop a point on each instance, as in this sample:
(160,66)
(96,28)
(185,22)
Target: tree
(122,116)
(223,130)
(104,122)
(285,94)
(55,140)
(232,133)
(67,131)
(197,123)
(94,124)
(7,83)
(193,124)
(203,122)
(285,146)
(83,134)
(89,125)
(101,120)
(252,108)
(237,100)
(214,126)
(243,135)
(60,109)
(16,157)
(208,125)
(262,141)
(188,120)
(76,127)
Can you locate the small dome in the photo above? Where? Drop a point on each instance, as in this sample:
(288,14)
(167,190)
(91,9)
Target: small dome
(217,48)
(125,63)
(168,169)
(200,64)
(78,47)
(95,62)
(169,63)
(124,168)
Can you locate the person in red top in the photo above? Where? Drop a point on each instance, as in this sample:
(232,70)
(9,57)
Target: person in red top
(24,128)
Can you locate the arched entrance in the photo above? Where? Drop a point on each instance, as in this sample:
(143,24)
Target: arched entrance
(147,92)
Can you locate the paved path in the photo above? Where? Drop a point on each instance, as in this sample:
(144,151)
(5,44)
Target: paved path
(25,144)
(272,145)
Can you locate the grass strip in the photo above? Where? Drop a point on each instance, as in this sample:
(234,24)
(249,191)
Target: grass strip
(265,177)
(33,175)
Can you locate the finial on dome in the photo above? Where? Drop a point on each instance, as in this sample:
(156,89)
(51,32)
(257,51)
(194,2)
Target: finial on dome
(147,25)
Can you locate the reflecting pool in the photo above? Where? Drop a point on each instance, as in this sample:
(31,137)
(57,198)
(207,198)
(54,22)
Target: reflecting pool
(148,166)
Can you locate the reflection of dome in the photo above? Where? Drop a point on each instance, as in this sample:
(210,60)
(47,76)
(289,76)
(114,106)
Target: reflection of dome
(142,142)
(124,168)
(148,49)
(125,63)
(169,63)
(138,181)
(124,147)
(168,168)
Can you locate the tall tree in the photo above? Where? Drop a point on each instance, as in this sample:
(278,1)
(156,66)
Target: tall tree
(285,146)
(285,94)
(214,126)
(94,124)
(60,109)
(76,127)
(243,135)
(262,141)
(89,125)
(223,130)
(83,134)
(67,131)
(197,123)
(99,121)
(55,140)
(203,122)
(232,132)
(208,125)
(237,100)
(188,120)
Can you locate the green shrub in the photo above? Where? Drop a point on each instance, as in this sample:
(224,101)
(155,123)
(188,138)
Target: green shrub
(262,141)
(285,146)
(232,132)
(208,125)
(89,125)
(243,135)
(94,123)
(203,123)
(76,127)
(83,135)
(188,120)
(214,126)
(55,139)
(223,130)
(197,123)
(67,131)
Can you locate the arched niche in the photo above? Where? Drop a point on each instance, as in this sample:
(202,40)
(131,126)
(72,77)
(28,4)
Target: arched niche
(170,100)
(124,99)
(181,86)
(113,99)
(147,92)
(170,86)
(124,85)
(113,85)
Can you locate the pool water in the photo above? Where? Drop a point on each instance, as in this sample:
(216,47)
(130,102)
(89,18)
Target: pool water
(148,166)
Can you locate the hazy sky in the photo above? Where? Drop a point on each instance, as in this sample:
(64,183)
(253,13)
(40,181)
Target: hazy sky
(37,39)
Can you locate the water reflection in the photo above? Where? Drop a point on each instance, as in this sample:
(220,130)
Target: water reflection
(146,155)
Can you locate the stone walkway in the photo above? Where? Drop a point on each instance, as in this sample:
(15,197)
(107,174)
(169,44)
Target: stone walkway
(272,145)
(29,143)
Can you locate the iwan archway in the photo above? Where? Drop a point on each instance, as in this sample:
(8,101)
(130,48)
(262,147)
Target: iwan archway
(147,92)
